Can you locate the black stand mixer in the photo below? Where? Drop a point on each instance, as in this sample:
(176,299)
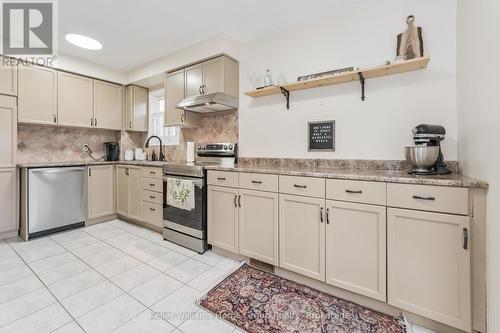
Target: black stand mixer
(430,136)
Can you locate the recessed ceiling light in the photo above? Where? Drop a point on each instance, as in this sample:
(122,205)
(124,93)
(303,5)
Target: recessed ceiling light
(83,41)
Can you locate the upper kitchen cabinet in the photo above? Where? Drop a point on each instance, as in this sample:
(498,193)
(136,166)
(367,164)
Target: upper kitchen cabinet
(37,95)
(174,93)
(108,105)
(8,131)
(213,76)
(137,105)
(75,103)
(8,78)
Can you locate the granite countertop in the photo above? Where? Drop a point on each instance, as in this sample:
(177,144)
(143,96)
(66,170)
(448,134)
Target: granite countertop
(75,163)
(390,176)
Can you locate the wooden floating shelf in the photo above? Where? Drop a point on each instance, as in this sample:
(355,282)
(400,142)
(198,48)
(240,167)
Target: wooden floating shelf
(357,75)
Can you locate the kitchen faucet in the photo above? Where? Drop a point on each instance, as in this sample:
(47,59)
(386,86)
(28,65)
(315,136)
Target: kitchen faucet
(162,156)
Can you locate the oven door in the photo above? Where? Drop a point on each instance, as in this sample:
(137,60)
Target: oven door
(190,222)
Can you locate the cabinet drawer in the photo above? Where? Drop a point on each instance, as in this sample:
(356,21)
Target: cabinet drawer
(223,178)
(153,197)
(307,186)
(152,184)
(156,173)
(258,181)
(152,213)
(356,191)
(452,200)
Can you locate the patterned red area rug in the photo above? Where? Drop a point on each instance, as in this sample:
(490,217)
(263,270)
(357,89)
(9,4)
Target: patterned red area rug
(257,301)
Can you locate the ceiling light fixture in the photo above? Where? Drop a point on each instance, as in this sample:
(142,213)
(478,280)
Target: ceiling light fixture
(83,41)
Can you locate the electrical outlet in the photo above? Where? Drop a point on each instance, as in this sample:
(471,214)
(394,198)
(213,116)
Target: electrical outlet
(85,148)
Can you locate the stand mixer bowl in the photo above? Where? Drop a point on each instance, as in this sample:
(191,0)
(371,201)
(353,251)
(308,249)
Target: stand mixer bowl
(422,158)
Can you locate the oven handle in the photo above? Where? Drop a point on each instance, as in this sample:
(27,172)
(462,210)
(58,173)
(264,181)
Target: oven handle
(198,182)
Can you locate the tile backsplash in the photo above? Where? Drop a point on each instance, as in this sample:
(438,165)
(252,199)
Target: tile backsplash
(39,144)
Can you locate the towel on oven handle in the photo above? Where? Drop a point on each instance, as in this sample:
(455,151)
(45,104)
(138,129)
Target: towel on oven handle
(180,193)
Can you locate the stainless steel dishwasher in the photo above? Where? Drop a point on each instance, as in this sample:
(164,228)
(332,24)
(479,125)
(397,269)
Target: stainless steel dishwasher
(56,199)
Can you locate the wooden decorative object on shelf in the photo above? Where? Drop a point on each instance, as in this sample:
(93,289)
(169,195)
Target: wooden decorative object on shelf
(356,75)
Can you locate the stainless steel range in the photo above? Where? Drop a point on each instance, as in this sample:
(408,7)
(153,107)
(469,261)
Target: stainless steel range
(185,195)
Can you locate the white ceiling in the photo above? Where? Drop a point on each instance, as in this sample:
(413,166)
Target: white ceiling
(135,32)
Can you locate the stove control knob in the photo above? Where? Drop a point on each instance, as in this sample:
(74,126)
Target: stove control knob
(230,147)
(199,147)
(225,147)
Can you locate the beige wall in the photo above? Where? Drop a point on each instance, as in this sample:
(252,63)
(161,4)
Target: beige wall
(479,123)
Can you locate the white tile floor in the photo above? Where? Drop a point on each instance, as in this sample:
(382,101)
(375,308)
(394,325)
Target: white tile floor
(110,277)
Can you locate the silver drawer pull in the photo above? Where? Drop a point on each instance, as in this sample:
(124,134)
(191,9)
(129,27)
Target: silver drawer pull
(152,209)
(152,172)
(466,238)
(417,197)
(152,197)
(152,185)
(221,178)
(353,192)
(299,186)
(256,182)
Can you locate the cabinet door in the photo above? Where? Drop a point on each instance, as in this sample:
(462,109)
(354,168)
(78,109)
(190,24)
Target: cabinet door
(194,80)
(122,190)
(101,191)
(302,235)
(356,248)
(135,203)
(75,102)
(140,109)
(8,200)
(8,77)
(8,131)
(258,225)
(174,93)
(429,265)
(213,76)
(37,95)
(108,108)
(129,105)
(223,218)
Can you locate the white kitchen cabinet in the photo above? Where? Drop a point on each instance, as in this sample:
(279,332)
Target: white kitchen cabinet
(356,248)
(137,108)
(8,77)
(8,131)
(174,93)
(223,217)
(429,265)
(100,191)
(75,100)
(194,80)
(9,223)
(258,225)
(108,105)
(122,190)
(37,95)
(220,74)
(302,235)
(129,191)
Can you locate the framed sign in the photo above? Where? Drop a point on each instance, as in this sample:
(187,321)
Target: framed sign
(321,135)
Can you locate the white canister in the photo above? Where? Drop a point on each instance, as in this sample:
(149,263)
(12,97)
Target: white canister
(190,151)
(139,154)
(129,155)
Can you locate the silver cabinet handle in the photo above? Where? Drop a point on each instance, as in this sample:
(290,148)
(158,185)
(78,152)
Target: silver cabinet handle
(152,185)
(91,121)
(239,201)
(235,198)
(152,209)
(299,186)
(95,121)
(353,192)
(199,90)
(90,172)
(328,216)
(203,91)
(182,117)
(466,238)
(130,124)
(321,215)
(256,182)
(417,197)
(152,197)
(55,119)
(221,178)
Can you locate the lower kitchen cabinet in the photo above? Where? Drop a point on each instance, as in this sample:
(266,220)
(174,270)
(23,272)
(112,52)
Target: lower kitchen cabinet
(429,265)
(258,225)
(356,248)
(129,191)
(302,235)
(8,201)
(223,217)
(101,191)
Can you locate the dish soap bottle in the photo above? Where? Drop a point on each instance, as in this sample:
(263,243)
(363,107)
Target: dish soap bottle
(268,79)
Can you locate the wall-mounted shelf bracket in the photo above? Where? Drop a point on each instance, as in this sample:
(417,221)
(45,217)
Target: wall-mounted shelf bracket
(362,80)
(286,93)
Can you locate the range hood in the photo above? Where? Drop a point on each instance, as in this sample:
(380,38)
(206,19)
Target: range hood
(209,103)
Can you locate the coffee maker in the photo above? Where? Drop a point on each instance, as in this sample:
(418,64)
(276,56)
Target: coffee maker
(430,136)
(111,151)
